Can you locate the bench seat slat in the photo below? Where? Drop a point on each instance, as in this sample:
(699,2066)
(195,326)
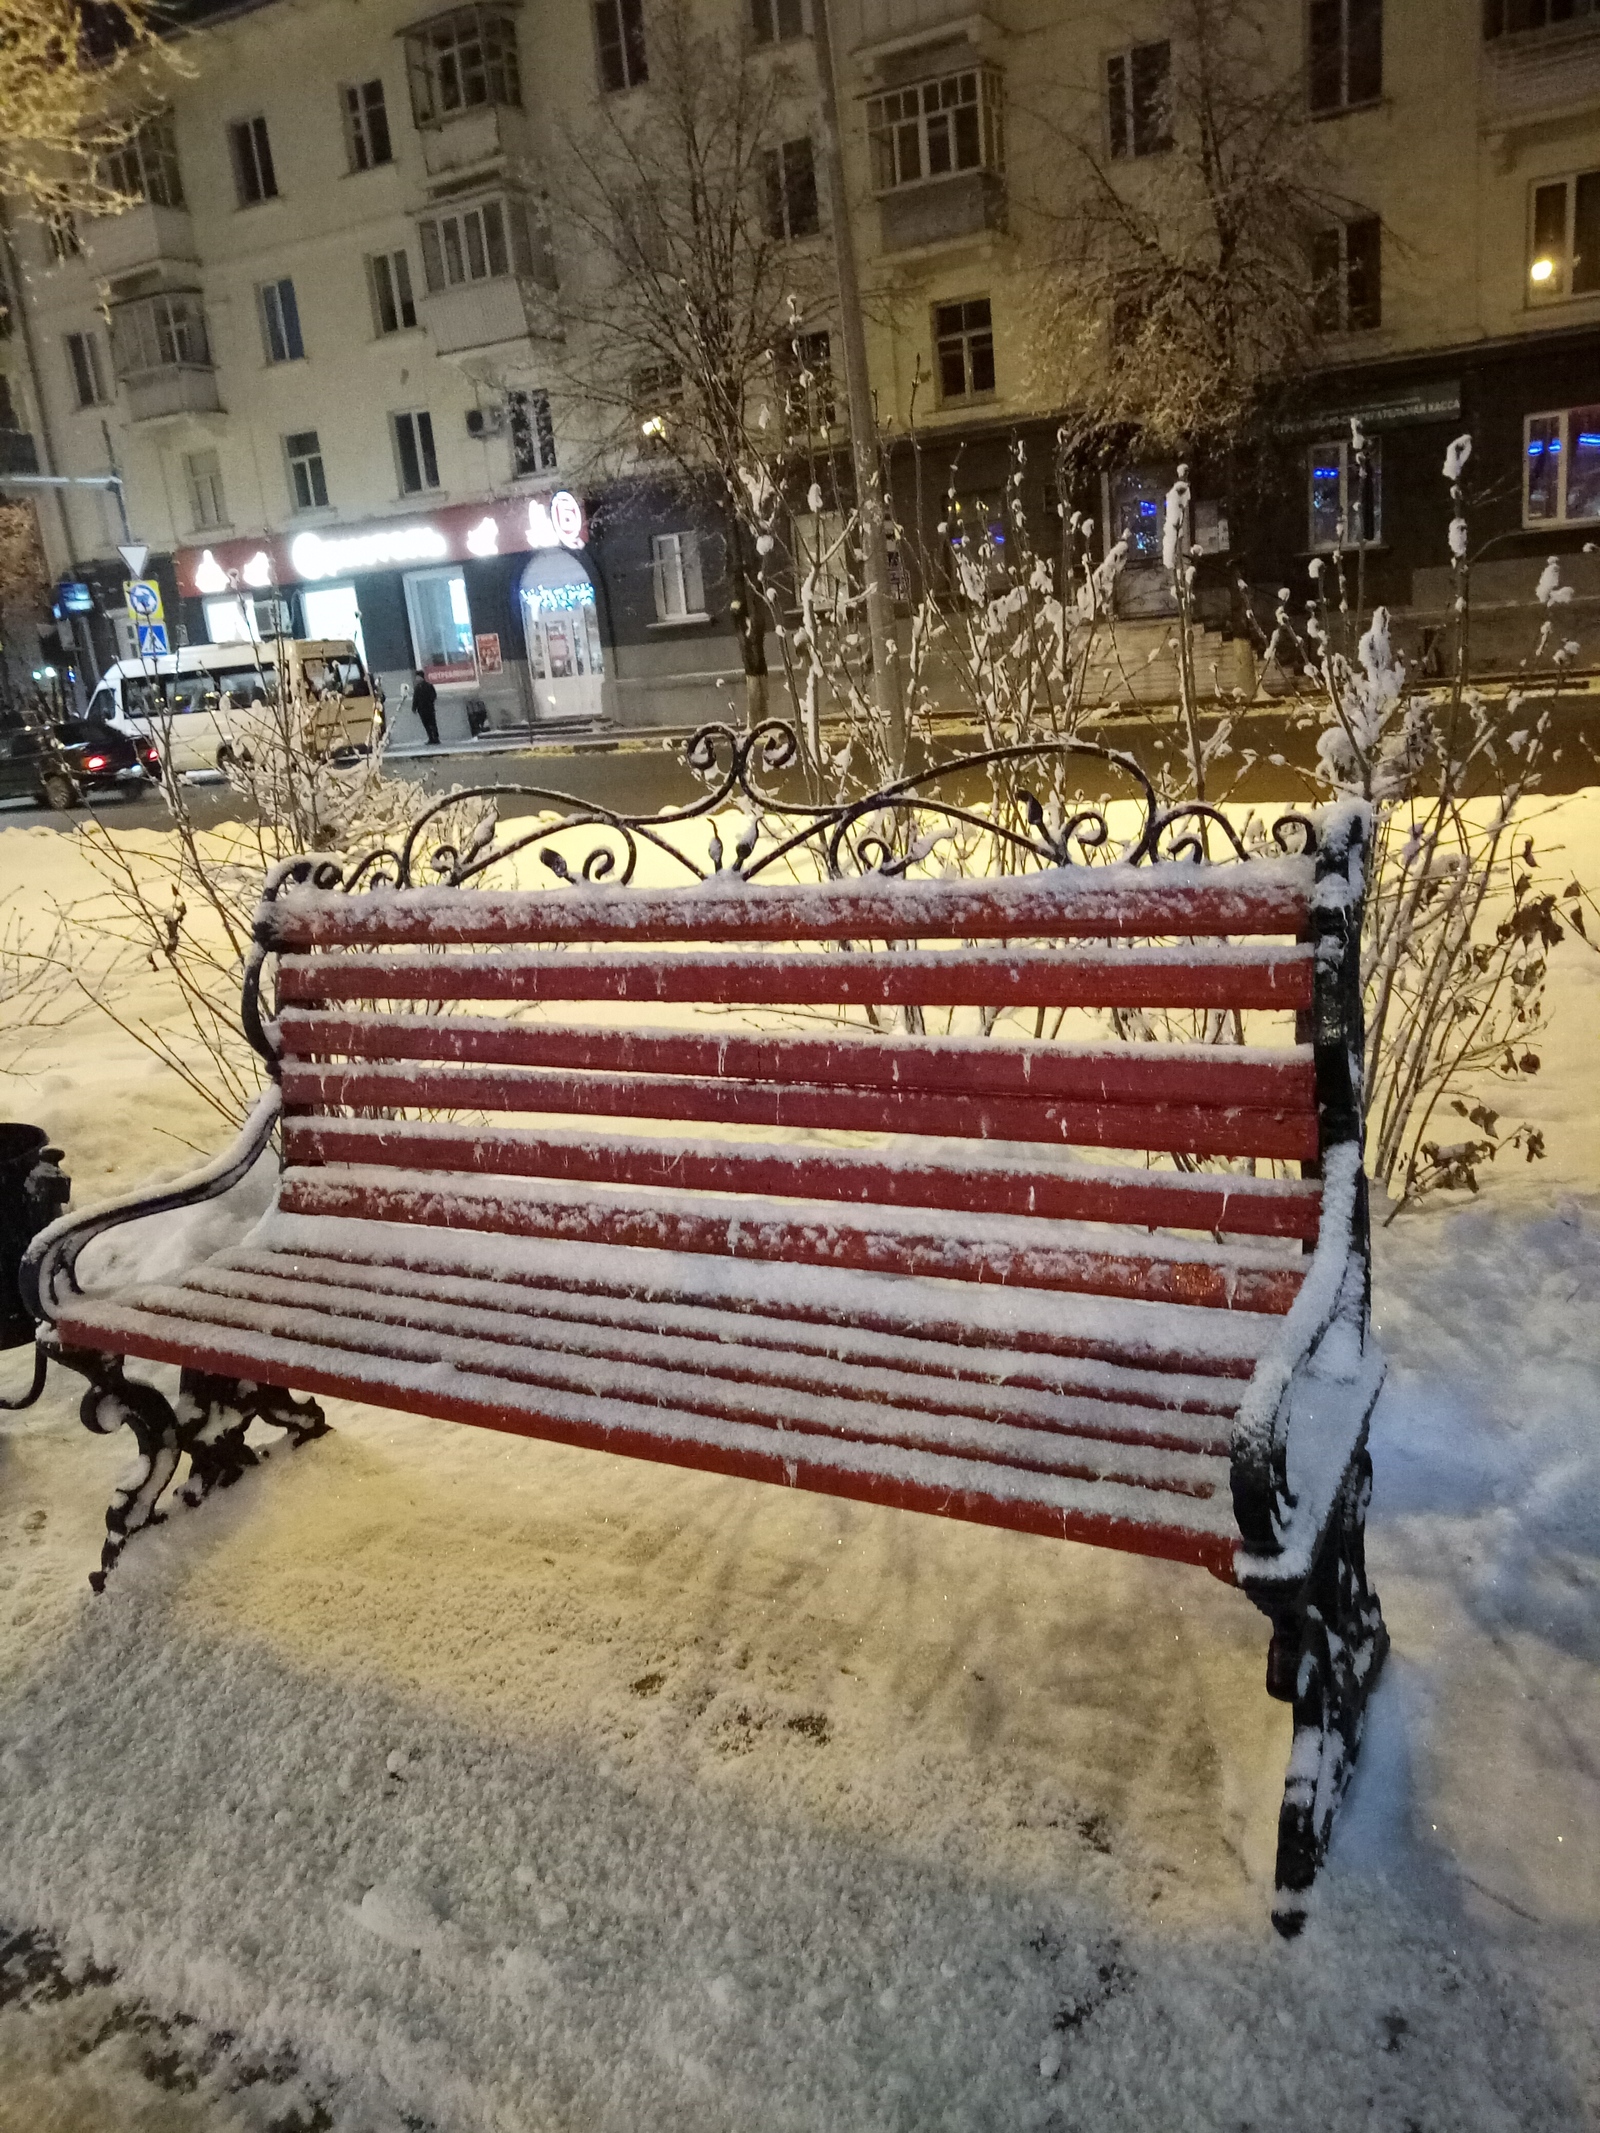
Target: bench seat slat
(1133,1073)
(801,1236)
(1145,1520)
(1213,975)
(744,1364)
(1192,1129)
(1215,1201)
(971,1325)
(1066,903)
(579,1315)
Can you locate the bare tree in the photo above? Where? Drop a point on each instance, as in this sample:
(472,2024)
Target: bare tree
(1180,276)
(692,271)
(76,81)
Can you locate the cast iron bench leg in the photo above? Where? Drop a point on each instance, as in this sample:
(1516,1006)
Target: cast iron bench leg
(1328,1647)
(213,1416)
(111,1401)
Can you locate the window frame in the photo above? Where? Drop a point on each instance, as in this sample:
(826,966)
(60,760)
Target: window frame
(676,564)
(786,187)
(384,286)
(908,115)
(1563,417)
(278,309)
(1494,13)
(439,72)
(145,165)
(811,393)
(773,13)
(1344,45)
(1345,451)
(170,330)
(415,451)
(964,336)
(618,27)
(1570,183)
(1122,105)
(199,521)
(359,109)
(438,249)
(533,405)
(255,174)
(310,456)
(1339,282)
(84,342)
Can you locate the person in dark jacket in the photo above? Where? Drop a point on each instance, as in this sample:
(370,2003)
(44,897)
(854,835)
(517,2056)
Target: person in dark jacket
(424,696)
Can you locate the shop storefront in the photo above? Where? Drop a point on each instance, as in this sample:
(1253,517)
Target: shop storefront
(492,602)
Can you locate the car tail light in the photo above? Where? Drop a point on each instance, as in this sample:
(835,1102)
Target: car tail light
(153,757)
(94,762)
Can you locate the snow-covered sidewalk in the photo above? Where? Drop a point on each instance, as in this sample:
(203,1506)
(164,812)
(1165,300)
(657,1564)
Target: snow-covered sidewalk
(469,1783)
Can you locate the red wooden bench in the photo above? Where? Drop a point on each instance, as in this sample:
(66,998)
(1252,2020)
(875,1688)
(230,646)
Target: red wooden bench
(959,1312)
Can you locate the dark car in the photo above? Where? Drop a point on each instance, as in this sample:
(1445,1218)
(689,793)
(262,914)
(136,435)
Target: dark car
(56,765)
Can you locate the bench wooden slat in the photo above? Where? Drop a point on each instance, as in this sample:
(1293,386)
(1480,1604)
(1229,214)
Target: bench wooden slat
(578,1317)
(1215,976)
(1214,1201)
(1188,1129)
(1144,1521)
(1064,904)
(975,1325)
(1226,1075)
(1084,1438)
(776,1234)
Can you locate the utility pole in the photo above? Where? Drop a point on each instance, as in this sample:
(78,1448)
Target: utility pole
(863,423)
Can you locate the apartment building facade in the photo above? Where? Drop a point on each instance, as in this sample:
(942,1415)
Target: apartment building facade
(321,351)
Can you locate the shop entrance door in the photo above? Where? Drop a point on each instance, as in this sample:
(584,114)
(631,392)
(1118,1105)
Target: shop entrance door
(561,628)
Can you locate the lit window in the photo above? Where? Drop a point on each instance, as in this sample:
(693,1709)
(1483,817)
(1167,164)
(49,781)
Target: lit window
(1344,53)
(441,624)
(280,322)
(414,452)
(1564,238)
(1139,100)
(963,349)
(307,482)
(366,126)
(1345,499)
(619,43)
(394,309)
(679,581)
(1346,276)
(934,129)
(254,177)
(1561,463)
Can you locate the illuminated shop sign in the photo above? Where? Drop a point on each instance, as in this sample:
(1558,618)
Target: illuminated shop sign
(451,535)
(551,599)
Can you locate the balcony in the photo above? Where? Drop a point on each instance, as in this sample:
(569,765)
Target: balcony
(1533,74)
(485,314)
(942,209)
(175,389)
(138,239)
(475,143)
(162,354)
(18,453)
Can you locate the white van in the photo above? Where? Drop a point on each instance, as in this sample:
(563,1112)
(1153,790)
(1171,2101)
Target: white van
(202,704)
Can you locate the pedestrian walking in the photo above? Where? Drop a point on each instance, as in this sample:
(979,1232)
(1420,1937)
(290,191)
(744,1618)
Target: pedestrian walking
(423,699)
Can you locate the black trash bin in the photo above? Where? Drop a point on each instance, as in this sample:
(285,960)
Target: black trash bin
(33,1191)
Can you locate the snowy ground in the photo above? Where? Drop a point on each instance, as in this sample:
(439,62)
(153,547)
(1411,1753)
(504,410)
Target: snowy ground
(440,1780)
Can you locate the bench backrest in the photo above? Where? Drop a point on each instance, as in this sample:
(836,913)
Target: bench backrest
(375,1026)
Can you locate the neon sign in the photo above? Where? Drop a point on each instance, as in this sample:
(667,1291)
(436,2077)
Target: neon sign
(315,557)
(552,599)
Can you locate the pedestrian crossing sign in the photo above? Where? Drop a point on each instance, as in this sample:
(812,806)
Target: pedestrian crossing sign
(152,640)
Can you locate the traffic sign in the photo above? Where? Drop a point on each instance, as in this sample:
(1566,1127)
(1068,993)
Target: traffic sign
(152,640)
(135,554)
(144,599)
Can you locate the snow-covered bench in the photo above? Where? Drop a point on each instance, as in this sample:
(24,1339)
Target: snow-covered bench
(834,1254)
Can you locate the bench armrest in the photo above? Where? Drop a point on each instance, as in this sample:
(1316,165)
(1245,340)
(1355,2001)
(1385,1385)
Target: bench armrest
(54,1252)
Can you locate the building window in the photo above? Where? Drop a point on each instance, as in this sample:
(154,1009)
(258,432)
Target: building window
(821,558)
(441,624)
(790,175)
(145,166)
(805,367)
(1345,499)
(1564,238)
(160,333)
(679,581)
(203,474)
(619,42)
(1346,277)
(280,322)
(963,349)
(61,227)
(254,178)
(1561,462)
(366,126)
(461,61)
(777,21)
(1510,18)
(88,376)
(1344,53)
(414,453)
(935,128)
(1139,99)
(308,485)
(468,246)
(394,309)
(533,433)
